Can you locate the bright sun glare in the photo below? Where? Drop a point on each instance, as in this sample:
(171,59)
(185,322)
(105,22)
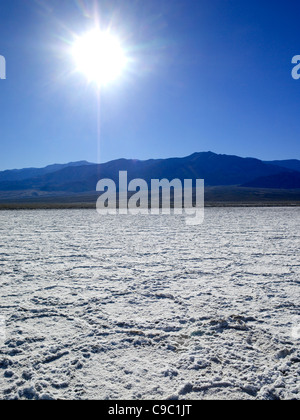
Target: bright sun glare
(99,56)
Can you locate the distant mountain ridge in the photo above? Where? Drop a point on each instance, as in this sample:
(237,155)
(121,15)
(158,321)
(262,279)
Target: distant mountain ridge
(215,169)
(283,180)
(26,173)
(293,164)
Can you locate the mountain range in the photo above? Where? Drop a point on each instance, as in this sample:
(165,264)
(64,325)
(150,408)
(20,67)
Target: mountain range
(218,170)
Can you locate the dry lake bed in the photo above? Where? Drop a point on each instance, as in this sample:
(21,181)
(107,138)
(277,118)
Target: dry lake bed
(147,307)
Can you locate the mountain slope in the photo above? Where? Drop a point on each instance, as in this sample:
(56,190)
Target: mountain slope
(293,164)
(215,169)
(283,180)
(27,173)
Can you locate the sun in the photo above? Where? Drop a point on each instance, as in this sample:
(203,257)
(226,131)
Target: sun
(99,56)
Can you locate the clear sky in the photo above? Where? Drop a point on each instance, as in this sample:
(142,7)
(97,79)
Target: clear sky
(203,75)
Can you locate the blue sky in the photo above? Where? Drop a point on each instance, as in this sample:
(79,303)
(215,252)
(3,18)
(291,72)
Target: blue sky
(205,75)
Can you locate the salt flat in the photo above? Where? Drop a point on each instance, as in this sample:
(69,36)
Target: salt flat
(146,307)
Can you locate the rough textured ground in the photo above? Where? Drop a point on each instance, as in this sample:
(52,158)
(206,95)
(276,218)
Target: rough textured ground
(135,307)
